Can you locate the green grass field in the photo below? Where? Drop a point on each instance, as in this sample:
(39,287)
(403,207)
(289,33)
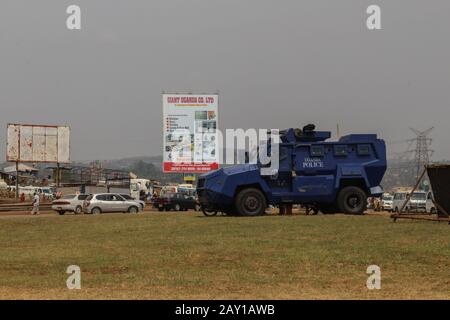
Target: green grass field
(188,256)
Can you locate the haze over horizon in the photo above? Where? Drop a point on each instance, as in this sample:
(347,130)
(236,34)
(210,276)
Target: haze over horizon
(275,64)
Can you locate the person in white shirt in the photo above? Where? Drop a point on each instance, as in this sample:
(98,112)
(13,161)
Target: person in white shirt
(36,201)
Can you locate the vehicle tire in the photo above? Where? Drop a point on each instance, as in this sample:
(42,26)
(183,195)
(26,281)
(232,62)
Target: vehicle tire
(78,210)
(209,213)
(96,210)
(177,207)
(61,213)
(160,209)
(133,209)
(352,200)
(250,202)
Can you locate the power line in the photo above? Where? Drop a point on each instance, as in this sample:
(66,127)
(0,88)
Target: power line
(406,166)
(422,152)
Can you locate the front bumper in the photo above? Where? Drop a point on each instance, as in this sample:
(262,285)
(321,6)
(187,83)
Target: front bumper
(213,200)
(415,206)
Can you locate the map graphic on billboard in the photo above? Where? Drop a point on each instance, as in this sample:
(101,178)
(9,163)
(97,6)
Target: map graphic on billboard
(38,143)
(190,132)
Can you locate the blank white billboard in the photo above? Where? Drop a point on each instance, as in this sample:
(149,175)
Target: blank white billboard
(38,143)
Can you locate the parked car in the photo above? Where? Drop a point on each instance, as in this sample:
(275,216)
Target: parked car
(387,202)
(176,201)
(109,202)
(69,203)
(128,197)
(417,203)
(47,193)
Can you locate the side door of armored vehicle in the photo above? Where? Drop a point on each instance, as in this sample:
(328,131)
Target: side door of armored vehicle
(280,183)
(313,172)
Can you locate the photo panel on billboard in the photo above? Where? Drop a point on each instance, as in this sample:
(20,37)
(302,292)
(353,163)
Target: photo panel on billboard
(190,132)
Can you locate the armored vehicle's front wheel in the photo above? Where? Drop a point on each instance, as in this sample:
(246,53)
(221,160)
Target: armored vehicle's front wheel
(209,212)
(352,200)
(250,202)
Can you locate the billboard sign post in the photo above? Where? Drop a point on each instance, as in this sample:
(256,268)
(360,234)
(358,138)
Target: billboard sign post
(190,133)
(37,143)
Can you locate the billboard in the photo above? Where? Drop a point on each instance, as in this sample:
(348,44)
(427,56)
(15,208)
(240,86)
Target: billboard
(38,143)
(190,133)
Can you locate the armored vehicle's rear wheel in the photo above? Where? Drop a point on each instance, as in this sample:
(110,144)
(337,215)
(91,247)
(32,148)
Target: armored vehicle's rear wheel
(352,200)
(250,202)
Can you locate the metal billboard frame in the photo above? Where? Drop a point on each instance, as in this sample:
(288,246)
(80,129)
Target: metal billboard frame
(18,159)
(35,126)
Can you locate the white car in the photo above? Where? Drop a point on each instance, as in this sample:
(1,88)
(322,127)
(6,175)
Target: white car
(387,203)
(109,202)
(417,202)
(128,197)
(69,203)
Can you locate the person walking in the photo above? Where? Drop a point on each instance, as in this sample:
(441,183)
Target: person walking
(36,201)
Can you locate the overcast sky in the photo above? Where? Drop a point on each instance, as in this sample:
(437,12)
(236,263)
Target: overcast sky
(276,64)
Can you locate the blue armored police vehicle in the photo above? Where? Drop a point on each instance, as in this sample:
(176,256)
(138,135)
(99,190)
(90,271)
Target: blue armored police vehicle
(330,176)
